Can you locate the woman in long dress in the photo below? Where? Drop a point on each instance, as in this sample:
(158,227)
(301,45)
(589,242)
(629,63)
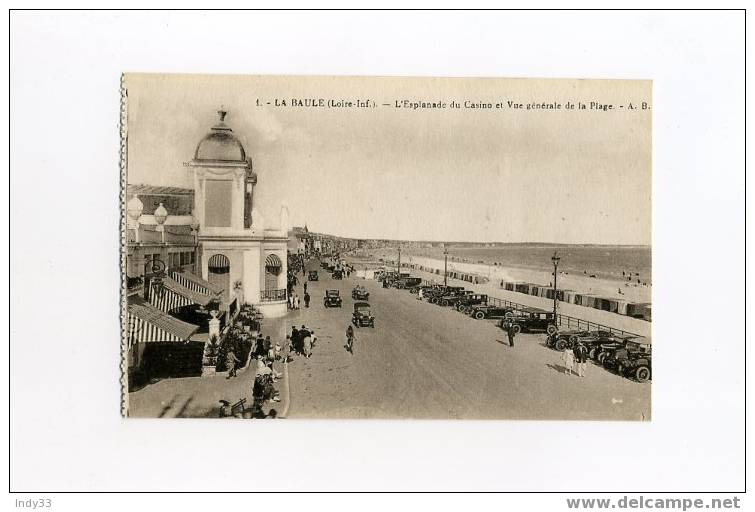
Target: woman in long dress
(567,356)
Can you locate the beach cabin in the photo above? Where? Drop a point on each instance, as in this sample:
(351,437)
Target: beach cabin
(522,287)
(567,296)
(637,310)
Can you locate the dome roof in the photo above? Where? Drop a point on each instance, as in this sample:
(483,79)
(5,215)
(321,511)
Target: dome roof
(220,144)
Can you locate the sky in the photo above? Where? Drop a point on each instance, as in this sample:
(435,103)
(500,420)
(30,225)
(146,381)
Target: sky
(455,174)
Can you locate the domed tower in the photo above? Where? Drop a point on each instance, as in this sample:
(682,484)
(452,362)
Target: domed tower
(223,181)
(238,252)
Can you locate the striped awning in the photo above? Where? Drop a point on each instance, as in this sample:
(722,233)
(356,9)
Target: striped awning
(196,283)
(172,294)
(273,261)
(147,324)
(219,264)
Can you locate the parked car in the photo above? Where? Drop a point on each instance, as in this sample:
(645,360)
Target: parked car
(360,293)
(426,288)
(591,339)
(332,299)
(436,295)
(313,276)
(407,282)
(483,311)
(362,315)
(633,360)
(606,344)
(450,299)
(531,319)
(468,301)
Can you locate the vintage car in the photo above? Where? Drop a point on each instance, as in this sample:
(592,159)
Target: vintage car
(606,344)
(332,299)
(483,311)
(444,291)
(634,360)
(407,282)
(591,339)
(530,320)
(360,293)
(471,300)
(426,288)
(312,276)
(362,316)
(450,299)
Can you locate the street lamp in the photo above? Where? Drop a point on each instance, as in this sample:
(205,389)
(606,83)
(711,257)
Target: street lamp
(555,259)
(398,267)
(445,266)
(161,214)
(134,210)
(154,270)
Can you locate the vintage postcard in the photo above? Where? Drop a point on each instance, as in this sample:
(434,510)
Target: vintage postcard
(374,247)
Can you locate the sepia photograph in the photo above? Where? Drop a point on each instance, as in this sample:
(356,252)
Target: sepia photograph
(428,243)
(386,248)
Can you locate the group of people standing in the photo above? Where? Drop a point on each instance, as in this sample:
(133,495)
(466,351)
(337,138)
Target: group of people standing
(301,341)
(575,356)
(293,297)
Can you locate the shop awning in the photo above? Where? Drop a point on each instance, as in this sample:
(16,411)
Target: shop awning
(147,324)
(196,283)
(171,294)
(273,261)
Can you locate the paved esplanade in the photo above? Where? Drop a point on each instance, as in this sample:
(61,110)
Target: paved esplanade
(427,361)
(420,361)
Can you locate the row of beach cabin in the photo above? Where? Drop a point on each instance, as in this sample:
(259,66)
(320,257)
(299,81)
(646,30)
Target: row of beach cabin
(622,307)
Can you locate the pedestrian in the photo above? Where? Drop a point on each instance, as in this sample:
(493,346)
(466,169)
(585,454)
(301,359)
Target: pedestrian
(267,345)
(567,357)
(259,349)
(230,362)
(580,356)
(294,338)
(307,298)
(290,299)
(306,344)
(296,301)
(420,294)
(286,352)
(350,339)
(225,409)
(511,333)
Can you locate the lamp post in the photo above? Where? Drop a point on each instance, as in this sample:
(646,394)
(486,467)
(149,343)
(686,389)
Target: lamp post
(161,214)
(555,259)
(445,266)
(154,270)
(398,266)
(134,209)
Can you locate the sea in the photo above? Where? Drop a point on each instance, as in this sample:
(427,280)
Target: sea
(616,262)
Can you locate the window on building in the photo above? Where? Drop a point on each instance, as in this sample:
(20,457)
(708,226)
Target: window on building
(218,203)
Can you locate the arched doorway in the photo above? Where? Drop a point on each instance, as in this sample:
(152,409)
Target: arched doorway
(219,273)
(273,268)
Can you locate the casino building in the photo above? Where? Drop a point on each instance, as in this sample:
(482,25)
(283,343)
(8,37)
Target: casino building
(238,251)
(200,253)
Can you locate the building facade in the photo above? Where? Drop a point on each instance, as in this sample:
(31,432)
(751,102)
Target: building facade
(238,251)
